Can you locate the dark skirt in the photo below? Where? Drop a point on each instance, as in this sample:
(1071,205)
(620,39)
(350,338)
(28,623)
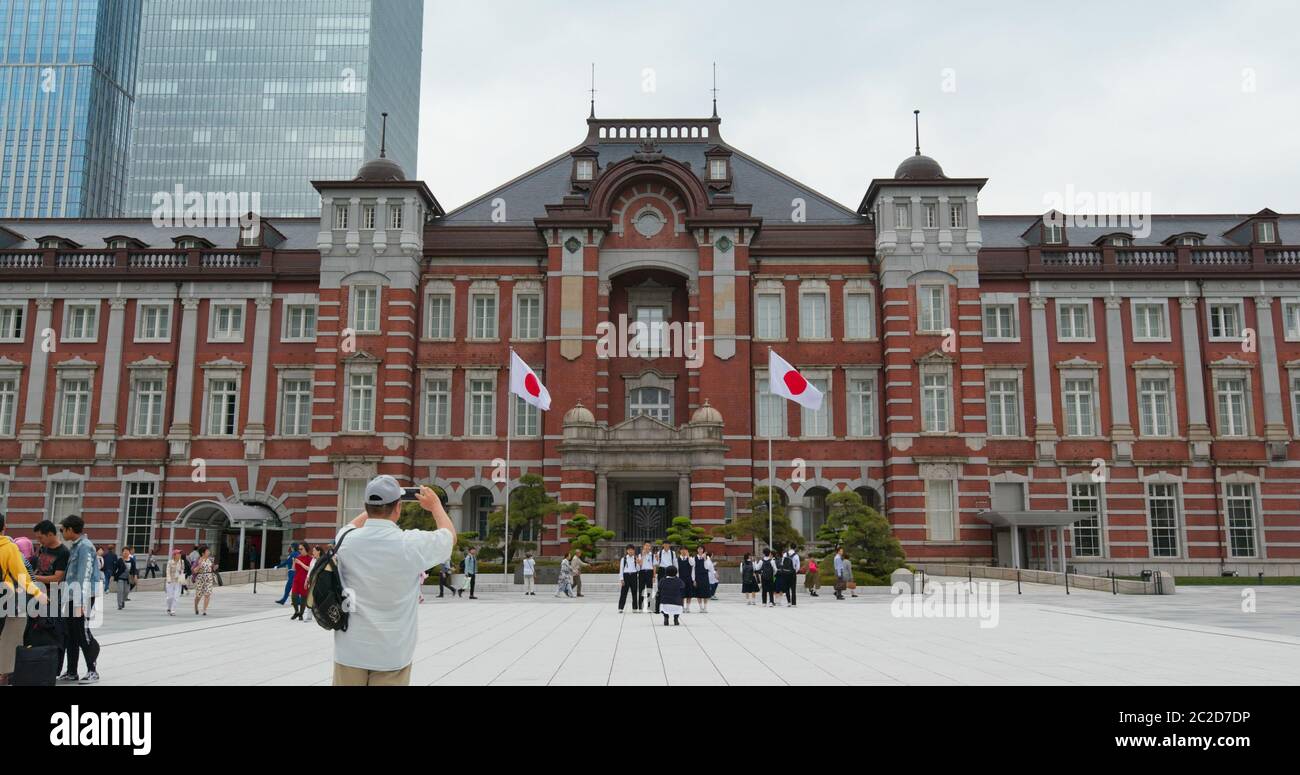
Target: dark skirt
(702,579)
(748,581)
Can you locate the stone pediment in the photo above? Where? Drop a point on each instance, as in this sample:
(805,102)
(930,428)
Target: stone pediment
(642,428)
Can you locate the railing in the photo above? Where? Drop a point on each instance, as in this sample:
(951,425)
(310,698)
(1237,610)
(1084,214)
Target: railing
(158,260)
(614,130)
(84,261)
(1284,256)
(20,260)
(1145,257)
(1220,256)
(1081,257)
(231,261)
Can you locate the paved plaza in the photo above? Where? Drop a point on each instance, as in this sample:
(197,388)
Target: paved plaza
(1200,635)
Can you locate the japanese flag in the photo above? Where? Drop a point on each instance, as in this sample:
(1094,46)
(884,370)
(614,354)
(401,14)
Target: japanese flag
(525,384)
(789,383)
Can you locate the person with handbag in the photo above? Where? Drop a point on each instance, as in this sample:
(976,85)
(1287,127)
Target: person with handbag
(470,569)
(205,579)
(173,580)
(123,577)
(14,574)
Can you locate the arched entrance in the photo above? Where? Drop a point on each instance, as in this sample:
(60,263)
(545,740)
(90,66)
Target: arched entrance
(241,535)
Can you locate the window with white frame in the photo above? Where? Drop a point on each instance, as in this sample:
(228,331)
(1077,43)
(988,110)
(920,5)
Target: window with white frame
(935,400)
(1000,322)
(365,309)
(1266,231)
(394,217)
(814,311)
(940,513)
(1290,320)
(438,305)
(1239,500)
(1150,323)
(367,217)
(8,402)
(340,217)
(862,406)
(437,405)
(769,315)
(1225,320)
(227,322)
(1053,234)
(141,504)
(74,405)
(223,406)
(1295,402)
(528,314)
(653,402)
(585,169)
(154,322)
(295,405)
(81,322)
(481,396)
(11,322)
(1078,402)
(932,307)
(353,499)
(1155,410)
(931,210)
(300,322)
(483,315)
(361,402)
(1086,497)
(527,418)
(717,169)
(1074,322)
(770,409)
(957,215)
(65,499)
(902,215)
(1003,405)
(651,331)
(148,396)
(1232,404)
(857,314)
(1162,514)
(817,424)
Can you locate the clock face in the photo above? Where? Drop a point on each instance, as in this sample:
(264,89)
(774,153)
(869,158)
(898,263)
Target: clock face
(724,244)
(573,244)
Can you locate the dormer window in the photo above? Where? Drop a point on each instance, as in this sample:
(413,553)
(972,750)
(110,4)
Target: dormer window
(52,243)
(1120,241)
(1266,232)
(188,243)
(1191,242)
(118,244)
(1053,234)
(584,169)
(717,169)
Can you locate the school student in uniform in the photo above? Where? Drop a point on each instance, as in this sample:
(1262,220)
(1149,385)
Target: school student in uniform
(686,572)
(713,576)
(664,560)
(790,570)
(748,578)
(670,595)
(767,578)
(702,567)
(646,578)
(630,570)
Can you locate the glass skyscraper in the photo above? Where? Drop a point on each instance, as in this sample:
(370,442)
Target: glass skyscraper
(67,84)
(263,96)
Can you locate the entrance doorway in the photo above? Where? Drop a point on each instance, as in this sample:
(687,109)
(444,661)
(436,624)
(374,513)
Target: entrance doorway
(647,516)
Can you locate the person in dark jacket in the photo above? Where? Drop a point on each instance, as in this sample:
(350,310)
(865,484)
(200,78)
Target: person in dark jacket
(110,567)
(671,591)
(123,573)
(288,581)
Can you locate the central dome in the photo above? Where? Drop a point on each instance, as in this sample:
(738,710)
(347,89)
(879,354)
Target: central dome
(381,170)
(919,167)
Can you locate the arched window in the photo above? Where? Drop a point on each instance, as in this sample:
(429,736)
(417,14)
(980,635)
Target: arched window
(814,515)
(652,402)
(478,505)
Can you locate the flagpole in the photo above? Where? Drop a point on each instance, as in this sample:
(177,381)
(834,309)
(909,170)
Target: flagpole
(771,465)
(505,557)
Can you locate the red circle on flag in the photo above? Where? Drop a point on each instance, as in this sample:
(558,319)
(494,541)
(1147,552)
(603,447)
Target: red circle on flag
(532,386)
(795,382)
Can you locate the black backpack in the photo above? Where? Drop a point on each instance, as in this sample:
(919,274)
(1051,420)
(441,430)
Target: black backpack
(787,564)
(326,597)
(767,571)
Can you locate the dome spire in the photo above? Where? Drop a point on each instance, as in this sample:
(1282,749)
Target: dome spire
(916,117)
(383,137)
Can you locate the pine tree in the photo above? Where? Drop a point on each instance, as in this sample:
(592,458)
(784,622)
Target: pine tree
(754,524)
(529,507)
(865,535)
(682,533)
(583,535)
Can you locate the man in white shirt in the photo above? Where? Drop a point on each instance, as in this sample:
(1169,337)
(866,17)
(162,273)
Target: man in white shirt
(379,564)
(790,564)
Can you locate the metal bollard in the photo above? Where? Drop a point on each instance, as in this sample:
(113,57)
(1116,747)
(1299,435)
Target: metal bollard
(1018,592)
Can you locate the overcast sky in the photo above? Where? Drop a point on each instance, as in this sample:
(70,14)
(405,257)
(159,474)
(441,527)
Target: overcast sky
(1196,103)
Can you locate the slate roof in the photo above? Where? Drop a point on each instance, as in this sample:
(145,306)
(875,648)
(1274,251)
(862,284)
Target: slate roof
(299,233)
(754,183)
(1004,231)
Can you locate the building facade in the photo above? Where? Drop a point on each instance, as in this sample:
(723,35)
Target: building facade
(238,96)
(1139,387)
(67,87)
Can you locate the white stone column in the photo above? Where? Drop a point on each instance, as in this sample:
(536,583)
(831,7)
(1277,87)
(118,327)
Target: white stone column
(1198,429)
(602,500)
(255,430)
(1044,426)
(1275,432)
(1121,430)
(106,428)
(34,407)
(683,495)
(178,436)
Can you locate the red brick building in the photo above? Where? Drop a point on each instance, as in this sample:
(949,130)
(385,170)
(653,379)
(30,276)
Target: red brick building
(983,374)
